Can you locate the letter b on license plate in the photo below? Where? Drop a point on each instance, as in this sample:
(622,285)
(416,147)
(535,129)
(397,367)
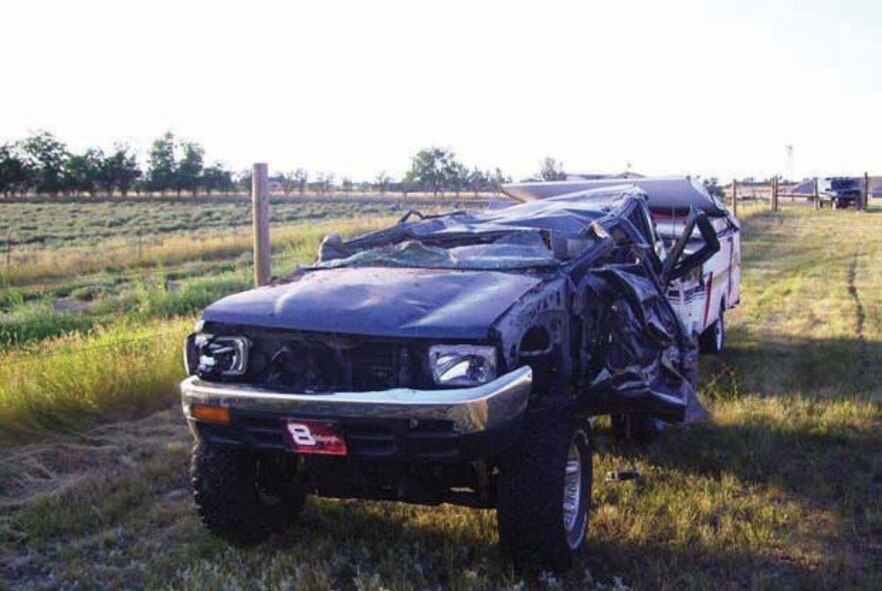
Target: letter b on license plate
(315,437)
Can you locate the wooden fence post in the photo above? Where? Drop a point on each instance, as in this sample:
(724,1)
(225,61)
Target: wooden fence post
(734,197)
(8,253)
(773,198)
(815,196)
(777,191)
(865,197)
(260,213)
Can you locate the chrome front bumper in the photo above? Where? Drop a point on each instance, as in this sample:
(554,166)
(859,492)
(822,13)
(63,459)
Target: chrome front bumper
(471,410)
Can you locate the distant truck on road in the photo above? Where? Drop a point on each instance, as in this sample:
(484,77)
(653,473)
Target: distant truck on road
(839,191)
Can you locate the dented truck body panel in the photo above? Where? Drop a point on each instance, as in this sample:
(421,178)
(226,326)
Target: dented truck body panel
(394,302)
(572,287)
(702,297)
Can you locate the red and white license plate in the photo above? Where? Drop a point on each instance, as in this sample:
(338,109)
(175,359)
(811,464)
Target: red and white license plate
(307,436)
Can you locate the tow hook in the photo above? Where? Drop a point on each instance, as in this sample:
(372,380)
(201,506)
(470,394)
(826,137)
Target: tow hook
(623,475)
(630,473)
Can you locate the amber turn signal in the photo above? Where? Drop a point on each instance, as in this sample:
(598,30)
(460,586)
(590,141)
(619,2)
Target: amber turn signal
(210,414)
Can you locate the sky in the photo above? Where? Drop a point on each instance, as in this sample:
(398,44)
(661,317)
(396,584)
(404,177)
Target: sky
(353,88)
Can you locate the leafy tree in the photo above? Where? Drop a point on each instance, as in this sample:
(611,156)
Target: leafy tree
(435,168)
(47,156)
(16,175)
(119,170)
(82,172)
(324,182)
(382,180)
(217,178)
(459,177)
(243,180)
(346,184)
(478,180)
(188,173)
(499,178)
(288,182)
(552,170)
(161,167)
(301,177)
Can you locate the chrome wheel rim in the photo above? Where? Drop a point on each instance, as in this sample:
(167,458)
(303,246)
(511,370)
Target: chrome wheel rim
(719,333)
(572,495)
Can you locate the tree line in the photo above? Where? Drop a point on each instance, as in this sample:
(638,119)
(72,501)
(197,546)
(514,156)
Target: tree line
(42,164)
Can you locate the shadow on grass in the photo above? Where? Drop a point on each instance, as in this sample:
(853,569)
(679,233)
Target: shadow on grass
(840,368)
(835,471)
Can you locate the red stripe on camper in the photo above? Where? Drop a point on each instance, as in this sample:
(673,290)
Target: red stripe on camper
(710,285)
(731,257)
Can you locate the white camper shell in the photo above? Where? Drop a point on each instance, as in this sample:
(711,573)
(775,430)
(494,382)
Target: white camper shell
(701,298)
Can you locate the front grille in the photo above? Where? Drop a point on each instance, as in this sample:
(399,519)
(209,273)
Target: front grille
(375,367)
(323,366)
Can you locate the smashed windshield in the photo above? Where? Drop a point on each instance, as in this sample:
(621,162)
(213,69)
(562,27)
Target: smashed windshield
(518,250)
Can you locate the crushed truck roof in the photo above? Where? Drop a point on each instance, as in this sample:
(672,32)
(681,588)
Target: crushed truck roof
(664,193)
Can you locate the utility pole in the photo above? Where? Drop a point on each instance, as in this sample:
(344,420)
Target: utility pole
(260,213)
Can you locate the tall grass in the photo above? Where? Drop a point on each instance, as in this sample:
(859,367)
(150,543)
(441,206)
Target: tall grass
(44,265)
(119,371)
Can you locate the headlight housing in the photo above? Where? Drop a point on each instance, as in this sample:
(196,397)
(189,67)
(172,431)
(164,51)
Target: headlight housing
(462,365)
(213,356)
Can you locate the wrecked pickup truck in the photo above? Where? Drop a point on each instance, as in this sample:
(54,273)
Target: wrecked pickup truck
(455,358)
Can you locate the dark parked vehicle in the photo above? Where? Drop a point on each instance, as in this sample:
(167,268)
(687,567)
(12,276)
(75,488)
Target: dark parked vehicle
(454,358)
(839,192)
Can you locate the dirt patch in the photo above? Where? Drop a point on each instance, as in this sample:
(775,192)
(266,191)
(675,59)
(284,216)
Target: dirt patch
(28,472)
(62,305)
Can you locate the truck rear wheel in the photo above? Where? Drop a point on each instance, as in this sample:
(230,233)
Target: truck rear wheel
(639,428)
(544,494)
(243,496)
(713,339)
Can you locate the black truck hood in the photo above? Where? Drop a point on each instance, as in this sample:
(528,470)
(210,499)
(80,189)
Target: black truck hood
(393,302)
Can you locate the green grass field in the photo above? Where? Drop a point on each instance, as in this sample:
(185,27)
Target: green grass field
(68,223)
(75,288)
(782,489)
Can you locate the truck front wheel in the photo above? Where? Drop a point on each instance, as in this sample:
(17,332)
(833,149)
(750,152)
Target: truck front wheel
(544,494)
(243,496)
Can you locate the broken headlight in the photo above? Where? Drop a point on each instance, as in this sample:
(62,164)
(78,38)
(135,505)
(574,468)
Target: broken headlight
(213,356)
(462,365)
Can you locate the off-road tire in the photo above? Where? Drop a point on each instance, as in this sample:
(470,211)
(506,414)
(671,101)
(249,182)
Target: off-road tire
(639,428)
(530,512)
(243,496)
(711,341)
